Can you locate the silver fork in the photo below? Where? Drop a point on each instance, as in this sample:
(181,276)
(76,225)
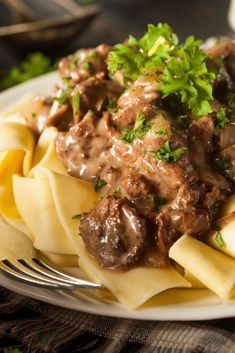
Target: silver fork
(40,273)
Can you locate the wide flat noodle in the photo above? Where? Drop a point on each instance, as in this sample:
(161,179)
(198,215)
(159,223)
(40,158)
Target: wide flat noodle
(22,106)
(214,269)
(14,244)
(16,150)
(48,213)
(224,240)
(45,154)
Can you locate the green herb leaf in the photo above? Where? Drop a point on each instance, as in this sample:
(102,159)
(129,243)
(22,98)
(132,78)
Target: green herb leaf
(34,65)
(99,184)
(219,240)
(64,95)
(220,119)
(165,154)
(186,76)
(76,102)
(183,121)
(141,126)
(136,56)
(117,190)
(181,68)
(157,201)
(12,350)
(77,216)
(162,131)
(223,162)
(231,102)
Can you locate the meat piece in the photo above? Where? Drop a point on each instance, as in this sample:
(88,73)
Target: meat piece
(114,234)
(201,139)
(85,63)
(61,116)
(95,94)
(138,98)
(139,191)
(230,64)
(222,49)
(85,149)
(39,115)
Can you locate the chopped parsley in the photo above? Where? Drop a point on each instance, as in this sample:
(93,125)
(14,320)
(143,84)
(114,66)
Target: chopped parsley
(181,69)
(64,95)
(231,102)
(219,239)
(165,154)
(221,119)
(99,184)
(156,201)
(140,127)
(186,76)
(86,65)
(76,102)
(77,216)
(223,162)
(117,190)
(162,131)
(183,121)
(137,56)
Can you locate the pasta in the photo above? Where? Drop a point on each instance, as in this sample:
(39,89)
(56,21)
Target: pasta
(42,197)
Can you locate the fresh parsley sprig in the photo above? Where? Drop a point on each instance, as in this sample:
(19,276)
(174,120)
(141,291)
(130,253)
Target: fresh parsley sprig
(221,119)
(141,126)
(165,154)
(99,184)
(136,56)
(186,75)
(219,239)
(181,68)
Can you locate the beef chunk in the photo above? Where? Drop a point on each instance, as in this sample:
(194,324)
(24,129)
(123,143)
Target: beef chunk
(85,63)
(114,234)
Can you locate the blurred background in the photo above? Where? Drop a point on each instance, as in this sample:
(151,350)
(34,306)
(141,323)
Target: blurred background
(58,27)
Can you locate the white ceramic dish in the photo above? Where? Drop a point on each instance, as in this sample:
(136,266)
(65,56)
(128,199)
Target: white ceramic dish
(199,305)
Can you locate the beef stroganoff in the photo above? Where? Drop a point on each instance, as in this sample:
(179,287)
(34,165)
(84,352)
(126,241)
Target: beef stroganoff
(128,167)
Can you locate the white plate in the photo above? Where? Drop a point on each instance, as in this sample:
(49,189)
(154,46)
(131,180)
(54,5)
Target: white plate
(200,304)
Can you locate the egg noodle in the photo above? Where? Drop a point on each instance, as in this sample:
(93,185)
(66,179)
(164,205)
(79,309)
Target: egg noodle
(39,198)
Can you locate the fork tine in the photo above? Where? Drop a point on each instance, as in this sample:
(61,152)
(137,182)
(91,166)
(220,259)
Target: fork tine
(8,271)
(20,270)
(69,279)
(46,270)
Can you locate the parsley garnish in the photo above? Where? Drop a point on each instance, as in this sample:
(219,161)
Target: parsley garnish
(162,131)
(165,154)
(64,95)
(136,56)
(117,190)
(77,216)
(186,76)
(76,102)
(140,127)
(181,68)
(12,350)
(219,239)
(231,102)
(156,201)
(99,184)
(183,121)
(86,65)
(223,162)
(220,118)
